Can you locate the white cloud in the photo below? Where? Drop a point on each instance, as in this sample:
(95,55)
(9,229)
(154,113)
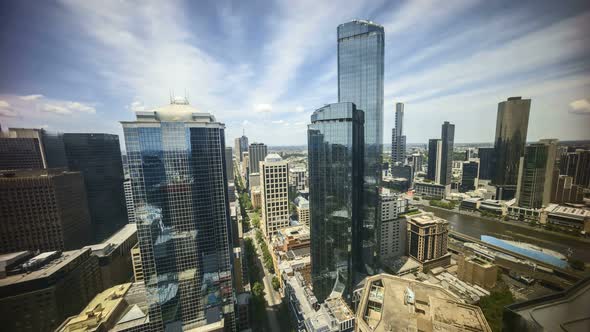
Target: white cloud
(7,112)
(4,104)
(263,108)
(31,97)
(580,106)
(299,109)
(56,109)
(278,121)
(136,106)
(79,107)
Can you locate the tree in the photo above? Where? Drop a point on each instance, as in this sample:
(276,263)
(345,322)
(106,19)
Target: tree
(276,284)
(255,221)
(258,290)
(493,305)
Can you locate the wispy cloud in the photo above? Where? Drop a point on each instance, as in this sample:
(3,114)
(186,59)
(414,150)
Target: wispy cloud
(31,97)
(580,106)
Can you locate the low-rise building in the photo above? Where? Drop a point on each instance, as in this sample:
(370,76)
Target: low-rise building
(291,253)
(431,189)
(566,217)
(492,206)
(39,292)
(477,271)
(119,308)
(470,204)
(523,214)
(256,197)
(302,206)
(391,303)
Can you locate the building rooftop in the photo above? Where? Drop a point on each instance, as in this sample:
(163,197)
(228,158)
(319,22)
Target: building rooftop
(272,157)
(179,110)
(107,246)
(426,219)
(390,303)
(567,211)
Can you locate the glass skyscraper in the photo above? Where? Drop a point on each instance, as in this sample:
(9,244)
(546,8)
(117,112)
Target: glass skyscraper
(335,149)
(177,166)
(446,164)
(360,81)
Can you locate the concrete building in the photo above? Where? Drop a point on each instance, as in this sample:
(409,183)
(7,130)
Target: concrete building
(229,163)
(567,217)
(24,148)
(114,256)
(392,226)
(563,190)
(576,164)
(390,303)
(245,165)
(241,146)
(253,180)
(476,271)
(291,252)
(121,308)
(434,160)
(43,210)
(431,189)
(416,160)
(256,197)
(275,194)
(427,238)
(562,311)
(298,178)
(447,144)
(136,261)
(302,206)
(515,212)
(469,176)
(129,200)
(493,206)
(536,174)
(511,130)
(38,292)
(398,139)
(256,153)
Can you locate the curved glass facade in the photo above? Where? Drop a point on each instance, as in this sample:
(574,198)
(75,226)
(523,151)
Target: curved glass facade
(179,184)
(335,150)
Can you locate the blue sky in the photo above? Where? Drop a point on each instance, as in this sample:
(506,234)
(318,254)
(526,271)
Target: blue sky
(82,66)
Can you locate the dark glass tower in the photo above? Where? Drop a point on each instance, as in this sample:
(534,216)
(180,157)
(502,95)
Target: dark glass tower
(335,150)
(511,128)
(398,140)
(360,81)
(469,176)
(25,148)
(434,151)
(98,158)
(177,166)
(485,162)
(446,164)
(536,174)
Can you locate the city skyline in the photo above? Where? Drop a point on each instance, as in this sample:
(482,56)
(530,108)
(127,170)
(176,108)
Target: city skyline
(50,76)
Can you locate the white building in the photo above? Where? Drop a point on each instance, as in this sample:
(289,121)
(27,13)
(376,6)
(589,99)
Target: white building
(392,241)
(274,181)
(431,189)
(302,205)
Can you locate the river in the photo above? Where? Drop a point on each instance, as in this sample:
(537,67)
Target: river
(475,227)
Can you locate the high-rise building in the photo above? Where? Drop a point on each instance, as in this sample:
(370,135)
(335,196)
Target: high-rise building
(302,206)
(98,158)
(360,81)
(241,146)
(511,129)
(446,164)
(427,237)
(274,180)
(129,200)
(298,178)
(398,140)
(256,153)
(577,165)
(229,163)
(486,156)
(24,148)
(43,210)
(38,292)
(416,160)
(392,228)
(177,164)
(335,149)
(536,174)
(434,160)
(469,176)
(563,190)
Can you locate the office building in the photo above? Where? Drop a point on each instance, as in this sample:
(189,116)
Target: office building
(43,210)
(405,171)
(360,81)
(256,154)
(37,292)
(416,160)
(114,256)
(253,180)
(229,163)
(486,156)
(241,146)
(536,174)
(431,189)
(447,143)
(177,165)
(335,143)
(427,237)
(577,165)
(136,261)
(98,158)
(475,270)
(434,160)
(392,226)
(302,206)
(563,190)
(275,194)
(298,178)
(256,197)
(390,303)
(398,140)
(129,200)
(511,129)
(469,176)
(566,217)
(23,148)
(121,308)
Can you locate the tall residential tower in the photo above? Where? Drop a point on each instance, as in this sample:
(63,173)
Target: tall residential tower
(398,140)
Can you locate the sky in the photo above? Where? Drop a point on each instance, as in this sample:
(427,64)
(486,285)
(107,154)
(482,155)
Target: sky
(265,66)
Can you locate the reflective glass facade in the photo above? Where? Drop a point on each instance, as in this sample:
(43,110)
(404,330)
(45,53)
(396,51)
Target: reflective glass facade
(335,150)
(446,164)
(360,81)
(178,172)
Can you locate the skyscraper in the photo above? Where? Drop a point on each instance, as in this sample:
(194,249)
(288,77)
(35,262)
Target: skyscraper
(177,166)
(536,174)
(577,165)
(229,164)
(446,164)
(98,158)
(335,149)
(511,129)
(434,160)
(24,148)
(469,176)
(398,140)
(274,180)
(485,163)
(241,146)
(256,153)
(360,81)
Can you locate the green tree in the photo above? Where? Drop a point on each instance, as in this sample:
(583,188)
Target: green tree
(255,221)
(493,306)
(258,289)
(276,284)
